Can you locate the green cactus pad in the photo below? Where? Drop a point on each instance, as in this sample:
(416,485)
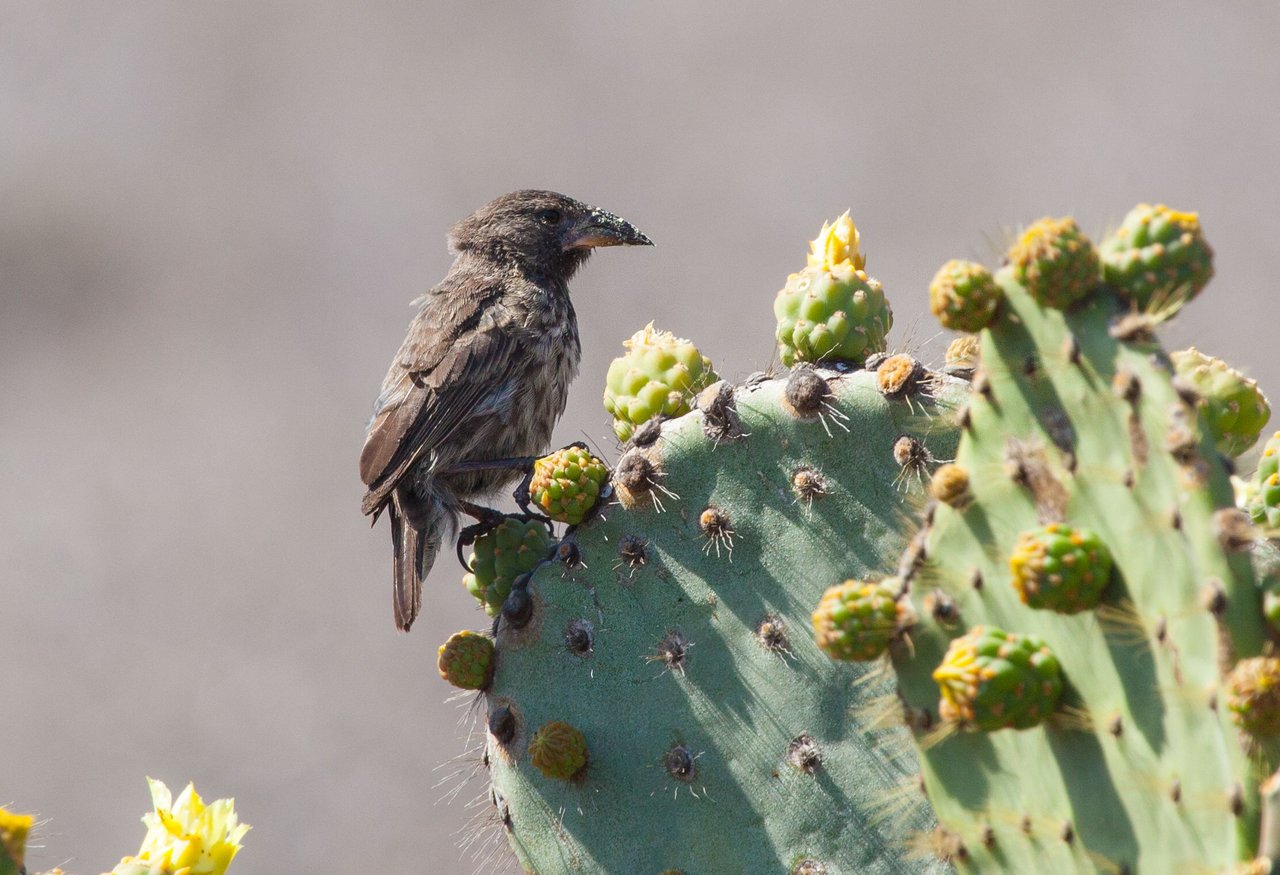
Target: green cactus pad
(1055,262)
(498,557)
(1233,406)
(963,296)
(857,619)
(694,676)
(1158,256)
(1253,695)
(466,660)
(558,750)
(1060,568)
(567,483)
(991,679)
(1076,418)
(658,376)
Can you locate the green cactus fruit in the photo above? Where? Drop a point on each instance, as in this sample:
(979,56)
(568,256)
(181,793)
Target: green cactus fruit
(1263,503)
(1060,568)
(1055,262)
(558,750)
(498,557)
(832,311)
(566,484)
(1253,695)
(14,829)
(857,619)
(466,660)
(963,296)
(1233,406)
(991,679)
(1157,257)
(950,485)
(658,376)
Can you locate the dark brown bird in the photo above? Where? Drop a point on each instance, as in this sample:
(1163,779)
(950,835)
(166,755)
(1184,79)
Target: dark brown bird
(483,374)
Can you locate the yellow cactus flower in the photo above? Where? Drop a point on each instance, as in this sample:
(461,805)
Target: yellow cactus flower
(185,836)
(13,834)
(837,246)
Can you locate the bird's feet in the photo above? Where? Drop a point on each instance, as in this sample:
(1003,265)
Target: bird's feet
(488,519)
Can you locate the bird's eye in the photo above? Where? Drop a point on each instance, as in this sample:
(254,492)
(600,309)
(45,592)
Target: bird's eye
(549,217)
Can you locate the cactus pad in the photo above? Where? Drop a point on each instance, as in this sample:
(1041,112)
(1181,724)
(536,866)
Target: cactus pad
(498,557)
(991,679)
(1078,424)
(1060,568)
(466,660)
(832,311)
(567,483)
(1232,404)
(963,296)
(1157,256)
(1055,262)
(857,619)
(700,691)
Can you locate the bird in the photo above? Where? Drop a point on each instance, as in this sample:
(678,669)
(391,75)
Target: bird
(482,376)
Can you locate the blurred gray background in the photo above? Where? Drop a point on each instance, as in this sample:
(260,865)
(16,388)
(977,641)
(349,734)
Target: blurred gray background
(213,216)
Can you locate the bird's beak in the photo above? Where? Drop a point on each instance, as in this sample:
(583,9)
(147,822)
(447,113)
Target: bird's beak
(598,228)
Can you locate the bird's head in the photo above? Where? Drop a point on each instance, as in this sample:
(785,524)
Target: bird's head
(542,231)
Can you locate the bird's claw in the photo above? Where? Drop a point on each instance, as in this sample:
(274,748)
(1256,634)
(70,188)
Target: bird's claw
(487,519)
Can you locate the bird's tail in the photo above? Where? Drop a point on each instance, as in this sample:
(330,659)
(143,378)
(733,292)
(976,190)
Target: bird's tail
(416,533)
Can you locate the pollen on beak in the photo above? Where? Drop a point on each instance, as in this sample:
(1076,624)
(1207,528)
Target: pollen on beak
(599,228)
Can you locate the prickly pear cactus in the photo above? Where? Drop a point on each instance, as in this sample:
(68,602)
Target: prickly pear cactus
(1073,640)
(1097,528)
(659,701)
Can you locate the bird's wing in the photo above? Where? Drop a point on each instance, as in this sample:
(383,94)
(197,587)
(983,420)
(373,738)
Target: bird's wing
(455,357)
